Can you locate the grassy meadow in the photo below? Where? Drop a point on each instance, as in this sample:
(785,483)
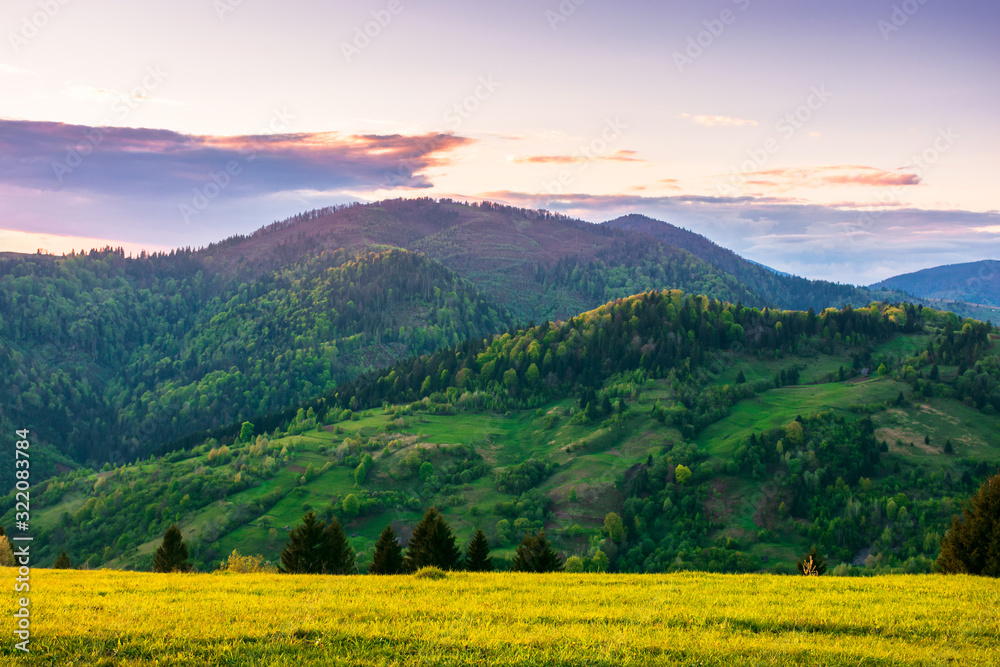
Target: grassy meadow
(107,617)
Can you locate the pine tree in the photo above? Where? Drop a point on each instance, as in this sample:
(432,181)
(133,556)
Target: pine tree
(535,554)
(172,554)
(477,556)
(63,563)
(304,553)
(972,545)
(388,554)
(812,564)
(432,544)
(338,555)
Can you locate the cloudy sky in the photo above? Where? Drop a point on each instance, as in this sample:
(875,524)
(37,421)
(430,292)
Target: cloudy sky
(849,141)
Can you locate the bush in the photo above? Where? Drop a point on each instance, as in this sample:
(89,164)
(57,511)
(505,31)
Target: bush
(238,564)
(430,572)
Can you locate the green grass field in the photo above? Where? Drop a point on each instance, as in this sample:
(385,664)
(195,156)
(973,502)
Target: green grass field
(100,617)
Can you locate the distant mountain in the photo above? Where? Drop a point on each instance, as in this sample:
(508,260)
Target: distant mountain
(774,288)
(973,282)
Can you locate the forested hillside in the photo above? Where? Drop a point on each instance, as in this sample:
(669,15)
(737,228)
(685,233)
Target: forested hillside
(660,432)
(106,357)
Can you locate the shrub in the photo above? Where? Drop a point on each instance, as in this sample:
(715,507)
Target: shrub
(430,572)
(254,564)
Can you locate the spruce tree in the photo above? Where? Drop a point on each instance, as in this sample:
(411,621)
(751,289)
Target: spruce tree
(477,556)
(535,554)
(172,554)
(62,563)
(305,552)
(338,555)
(432,544)
(972,545)
(388,554)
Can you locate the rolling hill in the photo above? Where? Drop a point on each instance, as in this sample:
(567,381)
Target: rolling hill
(861,431)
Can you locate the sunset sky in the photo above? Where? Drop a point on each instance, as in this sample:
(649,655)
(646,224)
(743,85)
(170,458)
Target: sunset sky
(848,140)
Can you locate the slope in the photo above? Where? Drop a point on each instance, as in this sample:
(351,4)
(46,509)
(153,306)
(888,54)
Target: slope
(789,444)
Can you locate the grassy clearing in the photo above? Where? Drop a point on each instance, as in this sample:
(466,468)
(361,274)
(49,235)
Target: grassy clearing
(121,618)
(778,407)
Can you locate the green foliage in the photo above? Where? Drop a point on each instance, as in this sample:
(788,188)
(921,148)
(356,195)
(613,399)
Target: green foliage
(246,432)
(682,474)
(351,506)
(972,545)
(432,543)
(430,572)
(477,555)
(63,562)
(523,476)
(535,554)
(388,554)
(172,554)
(614,527)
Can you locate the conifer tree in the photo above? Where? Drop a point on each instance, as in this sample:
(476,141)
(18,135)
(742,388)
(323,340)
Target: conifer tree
(432,544)
(388,554)
(63,563)
(972,545)
(172,554)
(477,556)
(304,553)
(535,554)
(338,555)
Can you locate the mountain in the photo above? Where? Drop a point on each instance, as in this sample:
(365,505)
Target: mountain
(972,282)
(667,431)
(108,358)
(773,288)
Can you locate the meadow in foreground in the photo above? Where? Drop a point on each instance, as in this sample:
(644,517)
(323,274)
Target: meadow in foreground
(127,618)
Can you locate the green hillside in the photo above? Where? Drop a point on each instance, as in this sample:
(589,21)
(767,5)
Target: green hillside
(107,357)
(788,441)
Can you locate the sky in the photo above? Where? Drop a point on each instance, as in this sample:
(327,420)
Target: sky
(848,141)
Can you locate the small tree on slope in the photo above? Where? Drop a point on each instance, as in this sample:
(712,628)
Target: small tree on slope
(477,556)
(388,554)
(535,554)
(172,554)
(432,544)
